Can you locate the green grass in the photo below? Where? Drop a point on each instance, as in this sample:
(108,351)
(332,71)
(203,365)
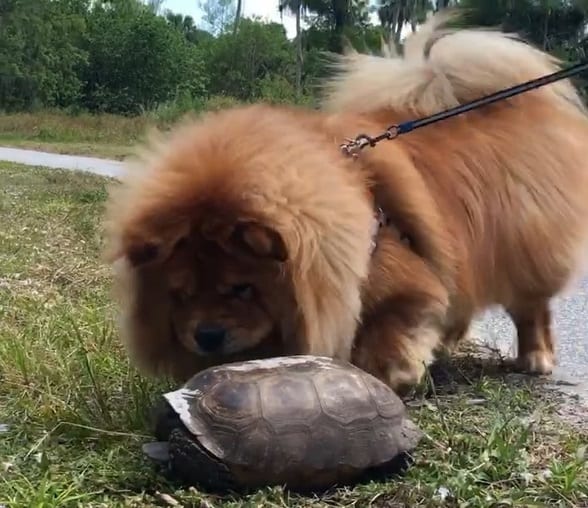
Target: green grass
(77,413)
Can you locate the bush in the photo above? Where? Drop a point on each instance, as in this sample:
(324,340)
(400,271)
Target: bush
(239,65)
(277,90)
(171,111)
(218,102)
(40,53)
(137,60)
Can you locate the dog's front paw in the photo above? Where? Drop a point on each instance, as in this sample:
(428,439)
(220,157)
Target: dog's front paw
(403,378)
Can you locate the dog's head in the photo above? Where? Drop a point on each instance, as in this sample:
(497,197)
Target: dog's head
(251,228)
(226,282)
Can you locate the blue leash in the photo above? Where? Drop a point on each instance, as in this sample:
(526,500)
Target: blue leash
(353,146)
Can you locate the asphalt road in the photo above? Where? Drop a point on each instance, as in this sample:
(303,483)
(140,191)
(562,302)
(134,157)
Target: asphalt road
(494,328)
(570,325)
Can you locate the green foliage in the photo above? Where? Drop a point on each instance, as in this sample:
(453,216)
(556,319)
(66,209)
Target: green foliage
(240,65)
(551,24)
(394,15)
(557,26)
(137,60)
(171,111)
(41,52)
(185,25)
(129,56)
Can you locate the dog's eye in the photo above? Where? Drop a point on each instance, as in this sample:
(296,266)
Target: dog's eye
(179,296)
(242,291)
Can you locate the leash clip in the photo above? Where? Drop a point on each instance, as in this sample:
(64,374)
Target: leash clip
(352,147)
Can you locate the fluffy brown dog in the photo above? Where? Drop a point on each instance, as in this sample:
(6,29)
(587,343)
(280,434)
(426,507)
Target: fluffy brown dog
(249,233)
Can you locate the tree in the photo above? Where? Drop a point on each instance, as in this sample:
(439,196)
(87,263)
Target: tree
(394,15)
(555,25)
(137,60)
(258,57)
(125,56)
(297,7)
(155,5)
(341,15)
(442,4)
(186,26)
(237,16)
(217,14)
(337,18)
(40,52)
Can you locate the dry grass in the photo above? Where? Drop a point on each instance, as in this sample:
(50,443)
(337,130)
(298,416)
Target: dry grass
(73,413)
(100,135)
(108,136)
(102,151)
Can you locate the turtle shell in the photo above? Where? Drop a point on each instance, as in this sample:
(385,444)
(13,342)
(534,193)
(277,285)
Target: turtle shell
(302,421)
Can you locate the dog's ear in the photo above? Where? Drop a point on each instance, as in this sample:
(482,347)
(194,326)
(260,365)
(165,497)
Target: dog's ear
(260,240)
(146,244)
(248,237)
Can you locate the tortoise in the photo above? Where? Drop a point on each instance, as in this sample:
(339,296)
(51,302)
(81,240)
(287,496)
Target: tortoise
(303,422)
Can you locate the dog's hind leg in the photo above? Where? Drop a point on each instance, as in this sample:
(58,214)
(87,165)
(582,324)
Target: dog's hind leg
(536,351)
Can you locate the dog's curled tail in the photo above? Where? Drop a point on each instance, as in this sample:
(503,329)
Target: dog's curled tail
(441,68)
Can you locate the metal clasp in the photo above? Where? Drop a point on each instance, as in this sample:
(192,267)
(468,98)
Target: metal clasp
(352,147)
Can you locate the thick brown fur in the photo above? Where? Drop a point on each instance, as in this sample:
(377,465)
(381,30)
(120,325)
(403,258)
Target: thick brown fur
(494,205)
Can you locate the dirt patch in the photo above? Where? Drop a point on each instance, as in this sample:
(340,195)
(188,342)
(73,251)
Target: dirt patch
(472,362)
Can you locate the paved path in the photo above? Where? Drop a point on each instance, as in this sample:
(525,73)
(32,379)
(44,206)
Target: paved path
(102,167)
(570,315)
(494,328)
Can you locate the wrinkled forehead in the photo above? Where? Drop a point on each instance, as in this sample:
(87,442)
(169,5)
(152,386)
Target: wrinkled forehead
(205,263)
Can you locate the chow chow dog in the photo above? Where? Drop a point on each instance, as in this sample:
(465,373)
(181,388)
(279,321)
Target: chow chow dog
(248,233)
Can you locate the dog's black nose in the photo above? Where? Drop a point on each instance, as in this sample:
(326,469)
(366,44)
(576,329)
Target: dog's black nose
(210,337)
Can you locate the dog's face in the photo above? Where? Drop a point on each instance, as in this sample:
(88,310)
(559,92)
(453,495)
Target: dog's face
(227,294)
(235,246)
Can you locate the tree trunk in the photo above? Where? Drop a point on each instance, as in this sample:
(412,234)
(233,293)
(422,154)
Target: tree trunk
(413,15)
(441,4)
(399,19)
(237,16)
(546,30)
(340,15)
(299,56)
